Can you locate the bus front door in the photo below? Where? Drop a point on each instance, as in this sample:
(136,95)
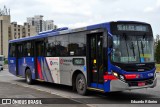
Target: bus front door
(95,59)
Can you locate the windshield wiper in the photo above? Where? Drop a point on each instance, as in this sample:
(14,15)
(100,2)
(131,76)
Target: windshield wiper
(142,47)
(125,38)
(132,47)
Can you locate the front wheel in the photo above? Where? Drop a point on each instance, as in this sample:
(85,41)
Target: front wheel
(81,85)
(29,76)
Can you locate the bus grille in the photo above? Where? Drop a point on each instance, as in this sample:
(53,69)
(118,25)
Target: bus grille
(135,83)
(141,68)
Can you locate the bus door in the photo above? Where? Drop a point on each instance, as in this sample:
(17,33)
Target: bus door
(39,57)
(95,59)
(19,59)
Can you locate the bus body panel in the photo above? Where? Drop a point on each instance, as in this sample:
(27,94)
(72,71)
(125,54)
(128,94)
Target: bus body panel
(67,69)
(12,65)
(53,69)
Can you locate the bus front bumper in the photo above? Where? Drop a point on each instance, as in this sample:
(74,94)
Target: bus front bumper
(118,85)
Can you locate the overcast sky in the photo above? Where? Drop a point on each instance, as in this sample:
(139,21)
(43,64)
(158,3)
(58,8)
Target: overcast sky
(78,13)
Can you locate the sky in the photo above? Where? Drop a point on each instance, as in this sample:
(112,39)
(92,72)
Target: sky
(79,13)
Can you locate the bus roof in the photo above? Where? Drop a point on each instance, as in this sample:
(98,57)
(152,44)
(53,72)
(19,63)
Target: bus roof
(65,30)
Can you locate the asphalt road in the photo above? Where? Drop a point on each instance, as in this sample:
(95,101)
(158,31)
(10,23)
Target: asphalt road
(95,99)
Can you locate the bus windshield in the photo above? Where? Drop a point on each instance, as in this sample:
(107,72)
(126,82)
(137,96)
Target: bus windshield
(132,49)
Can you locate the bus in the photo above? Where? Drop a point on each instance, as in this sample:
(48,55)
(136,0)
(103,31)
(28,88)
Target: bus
(106,57)
(1,62)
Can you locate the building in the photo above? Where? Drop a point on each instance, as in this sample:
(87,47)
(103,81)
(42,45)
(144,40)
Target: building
(9,31)
(4,25)
(19,31)
(40,24)
(49,25)
(36,21)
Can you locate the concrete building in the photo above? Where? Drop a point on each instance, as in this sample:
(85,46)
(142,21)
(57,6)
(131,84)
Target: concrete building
(36,21)
(41,25)
(4,25)
(49,25)
(19,31)
(9,31)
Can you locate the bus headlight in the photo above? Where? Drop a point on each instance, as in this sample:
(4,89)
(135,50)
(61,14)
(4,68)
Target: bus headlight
(115,74)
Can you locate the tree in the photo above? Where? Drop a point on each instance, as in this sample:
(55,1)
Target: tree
(157,52)
(157,39)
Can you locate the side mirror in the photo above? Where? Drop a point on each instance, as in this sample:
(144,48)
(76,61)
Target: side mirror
(110,42)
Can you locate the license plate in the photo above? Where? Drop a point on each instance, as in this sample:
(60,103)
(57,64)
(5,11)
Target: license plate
(141,83)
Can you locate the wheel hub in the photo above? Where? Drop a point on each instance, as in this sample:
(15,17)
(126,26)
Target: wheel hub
(28,80)
(81,84)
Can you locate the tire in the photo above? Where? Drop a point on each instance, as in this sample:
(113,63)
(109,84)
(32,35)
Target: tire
(29,77)
(81,85)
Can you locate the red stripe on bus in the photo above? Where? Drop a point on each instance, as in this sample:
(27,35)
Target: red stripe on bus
(39,70)
(109,77)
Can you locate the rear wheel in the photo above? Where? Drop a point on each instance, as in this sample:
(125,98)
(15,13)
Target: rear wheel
(29,76)
(81,85)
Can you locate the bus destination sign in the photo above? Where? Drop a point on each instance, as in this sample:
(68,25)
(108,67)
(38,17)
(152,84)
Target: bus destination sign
(132,27)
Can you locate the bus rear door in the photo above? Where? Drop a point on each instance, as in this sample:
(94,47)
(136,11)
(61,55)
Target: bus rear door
(39,57)
(19,60)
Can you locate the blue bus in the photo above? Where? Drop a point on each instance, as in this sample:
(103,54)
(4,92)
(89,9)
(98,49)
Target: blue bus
(106,57)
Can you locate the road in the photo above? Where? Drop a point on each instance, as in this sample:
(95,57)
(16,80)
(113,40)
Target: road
(95,99)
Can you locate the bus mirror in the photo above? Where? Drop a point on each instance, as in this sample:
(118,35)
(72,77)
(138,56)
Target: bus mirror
(110,42)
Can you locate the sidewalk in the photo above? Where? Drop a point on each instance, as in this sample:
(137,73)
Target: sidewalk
(6,66)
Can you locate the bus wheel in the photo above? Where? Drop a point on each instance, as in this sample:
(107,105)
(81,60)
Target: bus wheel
(29,76)
(81,84)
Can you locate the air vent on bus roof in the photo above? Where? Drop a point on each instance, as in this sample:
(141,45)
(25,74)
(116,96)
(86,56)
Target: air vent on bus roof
(55,30)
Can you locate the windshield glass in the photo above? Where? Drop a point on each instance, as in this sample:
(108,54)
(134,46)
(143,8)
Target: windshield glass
(132,49)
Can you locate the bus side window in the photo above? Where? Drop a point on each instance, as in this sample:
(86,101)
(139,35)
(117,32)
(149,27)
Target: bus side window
(62,45)
(50,47)
(77,44)
(12,50)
